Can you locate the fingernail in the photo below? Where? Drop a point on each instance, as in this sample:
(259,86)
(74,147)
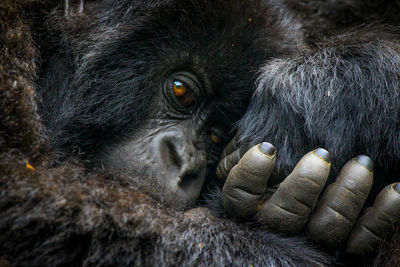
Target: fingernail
(366,162)
(267,148)
(396,187)
(324,154)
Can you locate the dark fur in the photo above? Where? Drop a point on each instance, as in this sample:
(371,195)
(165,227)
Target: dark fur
(340,93)
(88,103)
(63,217)
(105,68)
(344,97)
(321,18)
(66,215)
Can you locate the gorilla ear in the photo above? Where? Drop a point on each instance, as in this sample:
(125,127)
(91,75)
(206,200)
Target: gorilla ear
(78,7)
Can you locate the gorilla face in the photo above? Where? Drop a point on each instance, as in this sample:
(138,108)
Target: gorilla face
(152,90)
(172,145)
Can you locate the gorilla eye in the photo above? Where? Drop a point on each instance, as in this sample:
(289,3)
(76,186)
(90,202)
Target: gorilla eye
(215,136)
(183,94)
(183,90)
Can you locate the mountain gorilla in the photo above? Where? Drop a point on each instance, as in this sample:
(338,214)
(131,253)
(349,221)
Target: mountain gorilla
(145,94)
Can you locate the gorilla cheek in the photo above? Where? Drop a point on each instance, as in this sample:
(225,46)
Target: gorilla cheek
(172,168)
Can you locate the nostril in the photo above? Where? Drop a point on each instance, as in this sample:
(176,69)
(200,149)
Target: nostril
(192,171)
(187,179)
(182,163)
(173,154)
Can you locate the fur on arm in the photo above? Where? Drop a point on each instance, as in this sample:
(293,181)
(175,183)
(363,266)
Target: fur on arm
(343,96)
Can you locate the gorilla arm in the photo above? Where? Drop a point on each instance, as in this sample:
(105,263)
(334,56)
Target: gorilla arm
(342,96)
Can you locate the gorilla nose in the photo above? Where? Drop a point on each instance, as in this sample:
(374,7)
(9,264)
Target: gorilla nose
(181,158)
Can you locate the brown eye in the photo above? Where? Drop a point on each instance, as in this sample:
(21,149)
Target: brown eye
(215,138)
(179,88)
(184,95)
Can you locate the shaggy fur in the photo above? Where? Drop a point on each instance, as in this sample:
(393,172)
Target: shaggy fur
(63,217)
(343,97)
(17,73)
(321,18)
(87,103)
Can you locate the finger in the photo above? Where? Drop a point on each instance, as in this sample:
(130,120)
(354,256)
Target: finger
(230,157)
(226,165)
(246,183)
(342,202)
(290,206)
(231,147)
(377,222)
(270,191)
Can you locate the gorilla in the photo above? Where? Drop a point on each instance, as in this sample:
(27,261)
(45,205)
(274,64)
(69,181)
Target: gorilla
(110,160)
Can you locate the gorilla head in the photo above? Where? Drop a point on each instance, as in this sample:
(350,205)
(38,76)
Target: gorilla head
(151,90)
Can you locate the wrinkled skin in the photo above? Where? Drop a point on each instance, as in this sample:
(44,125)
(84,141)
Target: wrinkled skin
(330,216)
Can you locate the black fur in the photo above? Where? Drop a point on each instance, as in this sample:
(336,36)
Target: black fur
(103,87)
(62,217)
(343,96)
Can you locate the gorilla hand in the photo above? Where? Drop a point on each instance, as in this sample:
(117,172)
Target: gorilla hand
(295,204)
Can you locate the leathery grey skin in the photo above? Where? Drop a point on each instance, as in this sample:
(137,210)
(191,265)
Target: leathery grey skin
(342,202)
(290,206)
(329,216)
(240,197)
(377,221)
